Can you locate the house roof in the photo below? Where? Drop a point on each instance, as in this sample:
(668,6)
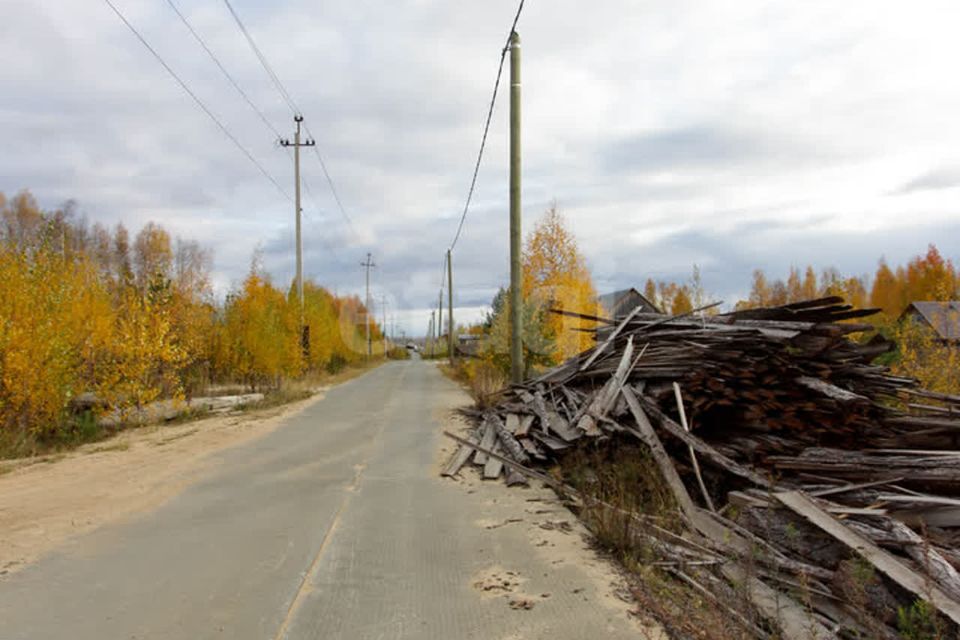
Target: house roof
(620,303)
(943,317)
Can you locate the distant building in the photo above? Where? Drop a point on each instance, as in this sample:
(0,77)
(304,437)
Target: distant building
(942,317)
(620,303)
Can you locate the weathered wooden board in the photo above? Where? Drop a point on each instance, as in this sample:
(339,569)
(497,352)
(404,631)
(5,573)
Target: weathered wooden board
(883,561)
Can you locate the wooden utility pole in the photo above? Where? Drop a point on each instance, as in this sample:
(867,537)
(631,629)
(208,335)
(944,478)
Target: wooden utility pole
(450,338)
(296,144)
(516,294)
(369,263)
(440,314)
(433,328)
(383,327)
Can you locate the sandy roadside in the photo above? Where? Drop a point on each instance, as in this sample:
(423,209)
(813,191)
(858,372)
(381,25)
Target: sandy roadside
(551,531)
(47,501)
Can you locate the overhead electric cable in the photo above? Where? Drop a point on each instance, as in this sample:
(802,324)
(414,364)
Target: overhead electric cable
(199,103)
(223,70)
(486,126)
(263,60)
(288,99)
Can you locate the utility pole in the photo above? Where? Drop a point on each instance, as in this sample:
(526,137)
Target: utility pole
(440,314)
(368,264)
(383,327)
(450,338)
(296,144)
(516,295)
(433,328)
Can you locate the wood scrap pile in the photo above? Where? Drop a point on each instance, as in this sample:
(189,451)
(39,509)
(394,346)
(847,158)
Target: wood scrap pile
(774,431)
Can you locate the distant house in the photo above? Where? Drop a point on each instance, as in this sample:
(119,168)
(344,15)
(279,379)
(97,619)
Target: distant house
(942,317)
(619,303)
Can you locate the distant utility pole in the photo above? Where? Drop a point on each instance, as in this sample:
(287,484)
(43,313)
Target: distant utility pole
(369,263)
(296,144)
(440,315)
(450,343)
(516,295)
(383,327)
(433,328)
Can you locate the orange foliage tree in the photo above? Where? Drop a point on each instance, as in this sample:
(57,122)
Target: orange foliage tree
(555,275)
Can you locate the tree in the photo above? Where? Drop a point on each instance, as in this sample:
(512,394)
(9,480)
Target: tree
(555,275)
(152,254)
(810,290)
(886,292)
(794,286)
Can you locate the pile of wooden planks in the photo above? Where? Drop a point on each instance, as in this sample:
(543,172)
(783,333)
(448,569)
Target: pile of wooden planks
(777,415)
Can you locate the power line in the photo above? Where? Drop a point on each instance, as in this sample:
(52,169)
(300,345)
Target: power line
(197,100)
(486,127)
(223,70)
(263,60)
(286,97)
(333,189)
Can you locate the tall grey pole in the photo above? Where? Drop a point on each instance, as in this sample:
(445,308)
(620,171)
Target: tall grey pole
(450,343)
(383,328)
(369,263)
(432,332)
(516,294)
(440,315)
(296,144)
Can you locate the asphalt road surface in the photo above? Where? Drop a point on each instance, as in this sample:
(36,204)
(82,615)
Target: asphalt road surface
(334,526)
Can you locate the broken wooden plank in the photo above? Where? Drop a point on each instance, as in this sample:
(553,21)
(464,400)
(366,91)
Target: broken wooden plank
(488,437)
(506,439)
(602,401)
(493,466)
(460,458)
(530,473)
(883,561)
(524,427)
(693,454)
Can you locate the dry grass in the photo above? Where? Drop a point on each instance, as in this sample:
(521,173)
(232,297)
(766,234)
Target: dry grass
(481,379)
(619,479)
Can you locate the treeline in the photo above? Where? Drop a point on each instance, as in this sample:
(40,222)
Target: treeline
(132,318)
(927,277)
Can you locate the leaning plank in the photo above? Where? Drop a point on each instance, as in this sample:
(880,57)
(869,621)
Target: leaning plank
(488,437)
(709,453)
(645,432)
(601,402)
(693,454)
(461,457)
(886,563)
(493,467)
(600,348)
(513,422)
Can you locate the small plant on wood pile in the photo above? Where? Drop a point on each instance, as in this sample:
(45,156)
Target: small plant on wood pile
(919,621)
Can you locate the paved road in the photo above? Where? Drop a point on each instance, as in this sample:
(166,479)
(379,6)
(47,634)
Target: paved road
(334,526)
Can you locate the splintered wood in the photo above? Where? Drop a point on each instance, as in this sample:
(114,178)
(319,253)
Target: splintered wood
(774,431)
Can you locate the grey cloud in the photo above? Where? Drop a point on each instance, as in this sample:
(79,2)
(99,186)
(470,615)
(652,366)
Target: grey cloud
(941,178)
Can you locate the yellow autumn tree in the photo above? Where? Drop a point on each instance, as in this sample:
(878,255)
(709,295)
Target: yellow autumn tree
(54,324)
(261,334)
(555,274)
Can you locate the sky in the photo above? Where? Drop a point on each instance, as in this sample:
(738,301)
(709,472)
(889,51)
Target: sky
(730,135)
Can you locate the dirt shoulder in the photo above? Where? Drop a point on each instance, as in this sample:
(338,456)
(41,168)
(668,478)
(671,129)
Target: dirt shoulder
(547,531)
(47,500)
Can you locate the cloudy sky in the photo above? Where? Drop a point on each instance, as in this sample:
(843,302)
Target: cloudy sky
(731,135)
